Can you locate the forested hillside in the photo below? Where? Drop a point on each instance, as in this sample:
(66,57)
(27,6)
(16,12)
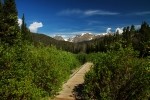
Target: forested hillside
(138,38)
(48,41)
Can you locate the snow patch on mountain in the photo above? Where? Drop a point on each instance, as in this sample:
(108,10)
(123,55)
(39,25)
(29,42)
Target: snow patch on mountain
(60,38)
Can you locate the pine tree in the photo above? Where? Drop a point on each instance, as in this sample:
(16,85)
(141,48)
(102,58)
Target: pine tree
(145,32)
(145,39)
(132,28)
(1,10)
(26,35)
(127,36)
(11,28)
(23,27)
(1,20)
(124,35)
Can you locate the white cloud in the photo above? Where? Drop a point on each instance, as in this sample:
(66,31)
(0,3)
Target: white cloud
(137,27)
(86,12)
(139,13)
(108,30)
(93,22)
(120,30)
(99,12)
(70,12)
(34,26)
(19,21)
(142,13)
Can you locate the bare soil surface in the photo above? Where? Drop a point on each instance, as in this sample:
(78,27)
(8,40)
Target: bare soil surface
(76,79)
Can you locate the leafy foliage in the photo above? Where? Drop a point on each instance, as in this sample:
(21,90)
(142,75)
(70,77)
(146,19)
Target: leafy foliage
(29,72)
(118,75)
(16,75)
(82,57)
(53,67)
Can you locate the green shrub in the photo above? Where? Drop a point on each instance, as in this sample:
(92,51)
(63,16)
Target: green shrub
(82,57)
(16,75)
(118,75)
(31,73)
(53,67)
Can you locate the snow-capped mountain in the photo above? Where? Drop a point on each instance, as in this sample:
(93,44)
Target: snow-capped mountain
(82,37)
(60,38)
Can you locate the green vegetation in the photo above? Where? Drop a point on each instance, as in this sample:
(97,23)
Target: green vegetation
(31,71)
(9,32)
(28,72)
(26,35)
(118,75)
(121,66)
(122,70)
(138,38)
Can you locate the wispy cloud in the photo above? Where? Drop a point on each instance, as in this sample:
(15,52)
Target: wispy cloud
(142,13)
(93,22)
(137,26)
(99,12)
(86,12)
(70,12)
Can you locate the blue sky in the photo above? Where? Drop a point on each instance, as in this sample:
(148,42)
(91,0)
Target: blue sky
(69,17)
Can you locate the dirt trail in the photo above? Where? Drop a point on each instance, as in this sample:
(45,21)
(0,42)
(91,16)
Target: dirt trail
(76,79)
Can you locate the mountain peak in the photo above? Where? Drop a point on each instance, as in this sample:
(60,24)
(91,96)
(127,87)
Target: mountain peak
(82,37)
(60,38)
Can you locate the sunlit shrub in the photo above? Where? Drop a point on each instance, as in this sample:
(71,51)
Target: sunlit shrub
(118,75)
(31,73)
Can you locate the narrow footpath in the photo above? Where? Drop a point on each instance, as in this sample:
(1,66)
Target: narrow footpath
(76,79)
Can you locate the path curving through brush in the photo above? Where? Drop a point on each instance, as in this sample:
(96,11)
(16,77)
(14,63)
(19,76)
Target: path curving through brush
(76,79)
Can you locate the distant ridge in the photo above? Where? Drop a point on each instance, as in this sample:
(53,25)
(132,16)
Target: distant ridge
(60,38)
(81,37)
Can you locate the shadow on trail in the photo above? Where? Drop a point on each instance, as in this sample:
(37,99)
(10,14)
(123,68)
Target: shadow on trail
(78,92)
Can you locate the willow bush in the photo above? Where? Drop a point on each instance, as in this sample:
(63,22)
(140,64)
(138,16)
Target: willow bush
(118,75)
(31,73)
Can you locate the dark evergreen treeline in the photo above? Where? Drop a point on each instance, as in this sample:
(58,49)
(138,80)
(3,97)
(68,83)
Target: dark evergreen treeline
(138,38)
(9,29)
(49,41)
(10,32)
